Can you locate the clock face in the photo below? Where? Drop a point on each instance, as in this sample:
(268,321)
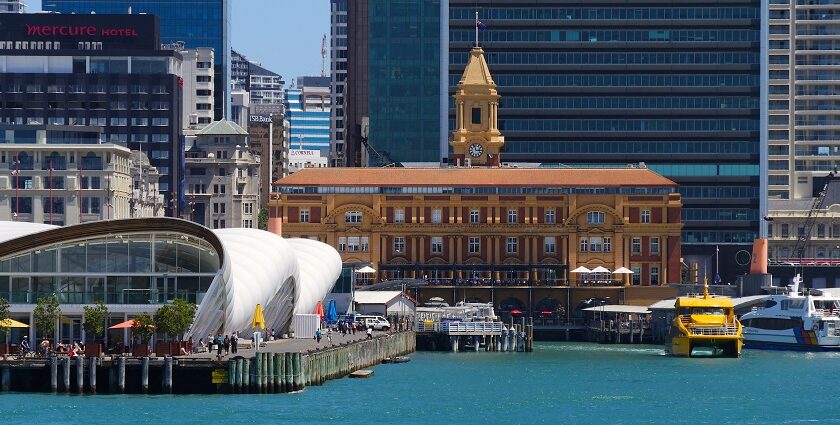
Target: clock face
(476,150)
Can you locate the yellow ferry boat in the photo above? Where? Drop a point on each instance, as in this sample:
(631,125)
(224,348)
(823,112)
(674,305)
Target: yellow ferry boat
(705,326)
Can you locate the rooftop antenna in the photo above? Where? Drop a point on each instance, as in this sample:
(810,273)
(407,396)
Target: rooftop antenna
(323,55)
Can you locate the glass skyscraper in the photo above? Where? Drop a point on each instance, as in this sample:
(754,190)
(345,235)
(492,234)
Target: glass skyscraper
(404,79)
(196,23)
(308,112)
(676,86)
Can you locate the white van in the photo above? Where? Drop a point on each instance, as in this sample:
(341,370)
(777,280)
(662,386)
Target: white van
(377,323)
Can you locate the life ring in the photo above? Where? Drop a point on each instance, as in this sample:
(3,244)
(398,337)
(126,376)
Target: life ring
(815,327)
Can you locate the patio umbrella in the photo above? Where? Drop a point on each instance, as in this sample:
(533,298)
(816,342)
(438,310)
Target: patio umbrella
(581,269)
(623,270)
(11,323)
(516,311)
(600,269)
(331,313)
(259,320)
(126,324)
(366,269)
(319,309)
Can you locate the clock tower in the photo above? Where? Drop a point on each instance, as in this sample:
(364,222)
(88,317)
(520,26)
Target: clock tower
(476,136)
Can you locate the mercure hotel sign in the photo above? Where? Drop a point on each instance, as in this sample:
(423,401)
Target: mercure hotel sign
(78,31)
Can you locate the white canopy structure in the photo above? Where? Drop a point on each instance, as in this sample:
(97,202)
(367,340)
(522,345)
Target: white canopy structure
(600,269)
(623,270)
(581,269)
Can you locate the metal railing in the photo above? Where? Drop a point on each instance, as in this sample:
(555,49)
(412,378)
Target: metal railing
(471,328)
(714,330)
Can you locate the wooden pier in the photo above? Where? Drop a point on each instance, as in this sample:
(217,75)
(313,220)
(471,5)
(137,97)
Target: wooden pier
(272,370)
(458,336)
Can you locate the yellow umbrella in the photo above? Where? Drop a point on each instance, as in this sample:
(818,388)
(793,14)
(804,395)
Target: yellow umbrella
(11,323)
(258,321)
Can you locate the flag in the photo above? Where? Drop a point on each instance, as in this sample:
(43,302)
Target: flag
(480,25)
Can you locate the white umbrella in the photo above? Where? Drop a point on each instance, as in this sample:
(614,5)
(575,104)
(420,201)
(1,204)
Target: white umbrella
(600,269)
(581,269)
(623,270)
(366,269)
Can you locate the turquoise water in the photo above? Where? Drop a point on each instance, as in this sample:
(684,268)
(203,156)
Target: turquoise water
(570,383)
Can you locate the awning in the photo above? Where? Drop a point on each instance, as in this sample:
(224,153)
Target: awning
(581,269)
(623,270)
(600,269)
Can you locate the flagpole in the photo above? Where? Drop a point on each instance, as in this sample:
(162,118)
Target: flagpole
(476,28)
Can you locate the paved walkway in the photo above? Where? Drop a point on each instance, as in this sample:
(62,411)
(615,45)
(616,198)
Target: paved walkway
(290,345)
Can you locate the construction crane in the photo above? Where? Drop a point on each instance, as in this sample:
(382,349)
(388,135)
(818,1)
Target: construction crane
(805,236)
(323,55)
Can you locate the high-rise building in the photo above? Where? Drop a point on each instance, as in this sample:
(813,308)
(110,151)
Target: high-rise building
(266,88)
(308,112)
(267,139)
(338,73)
(53,75)
(12,6)
(198,88)
(239,69)
(676,86)
(195,23)
(356,85)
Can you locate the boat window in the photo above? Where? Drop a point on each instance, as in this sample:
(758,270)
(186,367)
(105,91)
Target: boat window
(798,304)
(769,303)
(771,323)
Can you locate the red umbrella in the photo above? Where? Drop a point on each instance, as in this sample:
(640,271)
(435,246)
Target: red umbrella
(515,311)
(319,309)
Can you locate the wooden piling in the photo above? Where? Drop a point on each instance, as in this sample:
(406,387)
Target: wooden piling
(258,386)
(246,375)
(65,369)
(237,374)
(92,375)
(53,374)
(290,372)
(167,375)
(231,375)
(80,374)
(121,375)
(144,375)
(270,372)
(298,383)
(6,380)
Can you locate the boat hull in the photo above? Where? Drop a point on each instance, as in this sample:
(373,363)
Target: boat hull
(683,346)
(784,346)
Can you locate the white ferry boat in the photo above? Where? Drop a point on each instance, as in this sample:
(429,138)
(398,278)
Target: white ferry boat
(807,321)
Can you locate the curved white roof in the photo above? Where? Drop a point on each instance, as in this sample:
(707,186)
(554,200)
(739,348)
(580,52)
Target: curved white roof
(320,266)
(14,229)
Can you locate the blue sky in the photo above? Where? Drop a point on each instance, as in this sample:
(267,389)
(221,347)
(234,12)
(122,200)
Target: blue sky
(283,35)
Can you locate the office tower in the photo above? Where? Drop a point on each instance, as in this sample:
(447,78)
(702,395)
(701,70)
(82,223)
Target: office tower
(196,23)
(676,86)
(338,73)
(12,6)
(266,88)
(198,88)
(308,112)
(114,75)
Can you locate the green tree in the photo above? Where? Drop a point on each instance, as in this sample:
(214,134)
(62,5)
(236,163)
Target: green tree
(175,319)
(262,219)
(46,313)
(95,318)
(143,327)
(4,317)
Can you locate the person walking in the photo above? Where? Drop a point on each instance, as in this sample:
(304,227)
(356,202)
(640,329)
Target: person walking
(369,333)
(226,341)
(329,335)
(234,343)
(220,344)
(318,336)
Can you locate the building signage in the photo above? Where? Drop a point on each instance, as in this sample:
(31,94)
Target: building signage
(78,31)
(304,153)
(260,118)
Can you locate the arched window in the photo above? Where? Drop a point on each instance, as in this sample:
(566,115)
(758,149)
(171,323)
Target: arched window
(55,161)
(25,161)
(91,162)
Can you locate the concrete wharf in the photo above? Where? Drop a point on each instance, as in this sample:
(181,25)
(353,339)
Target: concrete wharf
(279,366)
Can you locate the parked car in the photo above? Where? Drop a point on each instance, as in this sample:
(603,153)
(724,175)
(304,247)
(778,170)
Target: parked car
(377,323)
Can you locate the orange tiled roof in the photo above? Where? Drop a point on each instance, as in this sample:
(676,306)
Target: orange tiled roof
(530,177)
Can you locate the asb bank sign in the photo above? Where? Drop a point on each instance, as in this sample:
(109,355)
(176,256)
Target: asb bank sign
(260,118)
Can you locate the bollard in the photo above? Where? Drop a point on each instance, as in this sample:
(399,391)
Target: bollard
(53,374)
(80,374)
(121,375)
(6,379)
(65,368)
(92,375)
(144,375)
(167,375)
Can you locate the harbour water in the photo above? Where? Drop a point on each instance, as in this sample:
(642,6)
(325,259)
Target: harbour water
(573,383)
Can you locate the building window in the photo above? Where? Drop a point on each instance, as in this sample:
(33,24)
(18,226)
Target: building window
(584,244)
(353,217)
(436,215)
(595,244)
(365,242)
(550,216)
(607,244)
(399,244)
(304,215)
(645,218)
(437,245)
(342,244)
(549,245)
(248,223)
(512,245)
(247,208)
(654,245)
(820,230)
(637,275)
(636,246)
(353,244)
(595,217)
(654,275)
(512,216)
(835,230)
(476,115)
(474,245)
(399,215)
(474,216)
(786,230)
